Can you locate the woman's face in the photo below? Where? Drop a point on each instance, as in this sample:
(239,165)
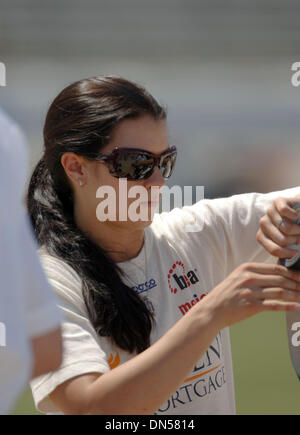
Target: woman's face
(102,194)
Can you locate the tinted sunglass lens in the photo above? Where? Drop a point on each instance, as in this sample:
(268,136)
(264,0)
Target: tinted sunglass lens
(143,167)
(167,165)
(133,166)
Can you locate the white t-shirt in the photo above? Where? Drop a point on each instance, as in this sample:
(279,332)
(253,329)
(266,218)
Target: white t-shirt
(174,270)
(28,306)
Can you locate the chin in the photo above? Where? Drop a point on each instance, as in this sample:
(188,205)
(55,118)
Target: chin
(141,224)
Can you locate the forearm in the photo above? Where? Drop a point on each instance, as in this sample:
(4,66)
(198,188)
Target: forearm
(159,370)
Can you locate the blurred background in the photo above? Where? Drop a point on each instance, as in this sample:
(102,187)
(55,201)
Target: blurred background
(224,71)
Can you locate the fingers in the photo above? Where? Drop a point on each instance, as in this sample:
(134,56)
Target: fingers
(271,269)
(272,299)
(284,207)
(276,239)
(277,293)
(276,213)
(271,287)
(278,231)
(269,240)
(276,281)
(273,305)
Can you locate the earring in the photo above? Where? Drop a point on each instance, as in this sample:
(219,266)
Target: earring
(80,182)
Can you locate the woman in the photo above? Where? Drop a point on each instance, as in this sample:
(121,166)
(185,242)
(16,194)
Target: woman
(146,304)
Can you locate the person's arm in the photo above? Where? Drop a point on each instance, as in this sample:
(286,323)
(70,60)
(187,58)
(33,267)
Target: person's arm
(47,352)
(239,217)
(142,384)
(227,228)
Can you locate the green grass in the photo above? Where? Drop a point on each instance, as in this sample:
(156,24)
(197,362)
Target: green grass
(265,381)
(25,404)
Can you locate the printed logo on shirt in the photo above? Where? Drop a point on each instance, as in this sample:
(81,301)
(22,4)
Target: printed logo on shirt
(208,377)
(145,286)
(184,308)
(114,360)
(179,279)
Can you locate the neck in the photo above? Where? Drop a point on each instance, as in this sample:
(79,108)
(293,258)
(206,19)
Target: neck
(120,242)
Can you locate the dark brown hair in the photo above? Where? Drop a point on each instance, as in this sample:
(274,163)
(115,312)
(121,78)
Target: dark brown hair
(81,120)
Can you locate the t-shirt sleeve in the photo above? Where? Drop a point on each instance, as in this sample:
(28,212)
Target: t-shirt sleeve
(238,219)
(83,351)
(226,227)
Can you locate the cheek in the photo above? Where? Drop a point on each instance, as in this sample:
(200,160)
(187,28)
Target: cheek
(107,189)
(99,183)
(136,192)
(99,177)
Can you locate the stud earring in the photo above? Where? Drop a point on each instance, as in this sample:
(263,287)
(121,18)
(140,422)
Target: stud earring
(80,182)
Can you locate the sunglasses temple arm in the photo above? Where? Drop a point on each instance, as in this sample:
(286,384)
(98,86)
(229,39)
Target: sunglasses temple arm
(102,158)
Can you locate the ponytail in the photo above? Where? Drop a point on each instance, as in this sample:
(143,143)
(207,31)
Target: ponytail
(115,310)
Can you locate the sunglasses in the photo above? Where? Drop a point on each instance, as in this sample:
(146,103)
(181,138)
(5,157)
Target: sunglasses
(138,164)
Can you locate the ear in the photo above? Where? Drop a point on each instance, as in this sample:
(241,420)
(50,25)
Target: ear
(74,167)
